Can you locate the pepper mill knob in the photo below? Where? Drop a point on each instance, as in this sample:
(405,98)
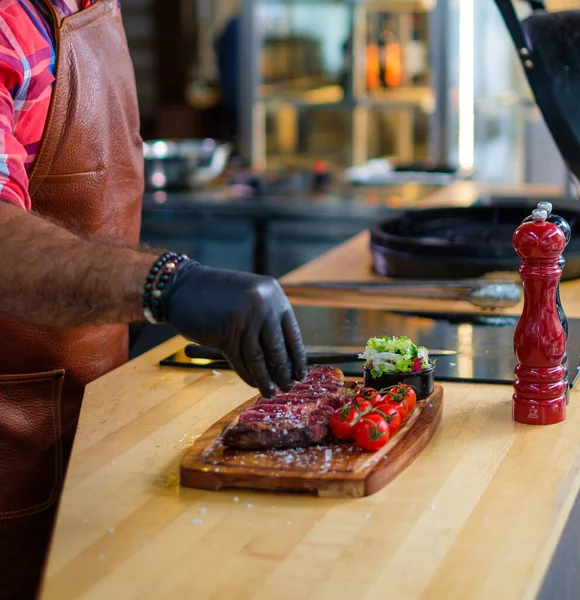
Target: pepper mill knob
(540,339)
(540,214)
(547,206)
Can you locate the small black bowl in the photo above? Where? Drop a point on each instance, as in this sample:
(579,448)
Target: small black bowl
(422,382)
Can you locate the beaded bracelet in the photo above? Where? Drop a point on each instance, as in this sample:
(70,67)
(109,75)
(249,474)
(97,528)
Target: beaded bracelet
(158,279)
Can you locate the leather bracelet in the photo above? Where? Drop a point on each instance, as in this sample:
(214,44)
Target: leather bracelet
(158,279)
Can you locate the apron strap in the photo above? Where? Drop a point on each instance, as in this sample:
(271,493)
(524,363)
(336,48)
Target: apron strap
(57,13)
(513,23)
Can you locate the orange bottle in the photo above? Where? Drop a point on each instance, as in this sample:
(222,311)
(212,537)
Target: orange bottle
(393,58)
(373,68)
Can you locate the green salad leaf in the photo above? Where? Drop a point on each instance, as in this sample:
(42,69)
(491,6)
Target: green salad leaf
(394,355)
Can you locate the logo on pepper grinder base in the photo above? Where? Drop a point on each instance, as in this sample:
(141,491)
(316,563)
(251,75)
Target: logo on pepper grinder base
(533,414)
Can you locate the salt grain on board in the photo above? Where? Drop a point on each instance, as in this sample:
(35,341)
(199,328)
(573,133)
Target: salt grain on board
(250,506)
(202,510)
(101,557)
(197,522)
(236,499)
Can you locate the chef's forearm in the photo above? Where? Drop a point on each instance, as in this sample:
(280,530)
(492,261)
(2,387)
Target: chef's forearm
(50,277)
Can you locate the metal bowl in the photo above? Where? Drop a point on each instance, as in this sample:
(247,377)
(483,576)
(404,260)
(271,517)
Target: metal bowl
(183,164)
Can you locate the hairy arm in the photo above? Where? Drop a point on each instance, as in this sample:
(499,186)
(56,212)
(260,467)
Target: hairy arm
(53,278)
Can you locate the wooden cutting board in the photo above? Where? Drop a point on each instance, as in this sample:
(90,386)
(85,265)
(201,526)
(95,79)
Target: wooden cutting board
(331,470)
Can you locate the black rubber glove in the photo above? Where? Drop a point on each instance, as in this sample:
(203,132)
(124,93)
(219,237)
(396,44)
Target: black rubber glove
(247,317)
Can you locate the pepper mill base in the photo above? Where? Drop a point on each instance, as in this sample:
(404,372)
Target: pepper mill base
(545,412)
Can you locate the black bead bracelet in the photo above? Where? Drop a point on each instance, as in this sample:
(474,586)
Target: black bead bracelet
(158,279)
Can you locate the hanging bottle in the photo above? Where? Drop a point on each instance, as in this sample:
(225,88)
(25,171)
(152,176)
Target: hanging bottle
(372,60)
(393,56)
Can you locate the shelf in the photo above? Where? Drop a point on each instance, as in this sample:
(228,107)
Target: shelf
(370,5)
(405,6)
(281,112)
(332,96)
(326,94)
(401,96)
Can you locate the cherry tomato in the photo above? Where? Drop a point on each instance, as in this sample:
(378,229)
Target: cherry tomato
(368,393)
(342,421)
(398,402)
(378,399)
(391,415)
(362,405)
(403,393)
(371,432)
(410,396)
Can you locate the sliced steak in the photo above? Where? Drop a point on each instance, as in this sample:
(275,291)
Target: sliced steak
(322,373)
(291,420)
(261,435)
(318,422)
(329,386)
(269,412)
(338,400)
(294,398)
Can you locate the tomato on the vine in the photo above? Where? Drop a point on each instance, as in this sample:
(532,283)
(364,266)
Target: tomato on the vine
(403,393)
(371,432)
(391,415)
(342,422)
(398,402)
(410,396)
(368,393)
(362,404)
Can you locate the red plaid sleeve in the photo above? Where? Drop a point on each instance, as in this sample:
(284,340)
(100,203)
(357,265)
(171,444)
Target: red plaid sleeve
(13,175)
(27,61)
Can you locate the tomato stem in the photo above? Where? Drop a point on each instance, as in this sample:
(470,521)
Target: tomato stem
(361,416)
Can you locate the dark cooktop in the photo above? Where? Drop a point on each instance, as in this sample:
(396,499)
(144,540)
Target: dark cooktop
(482,344)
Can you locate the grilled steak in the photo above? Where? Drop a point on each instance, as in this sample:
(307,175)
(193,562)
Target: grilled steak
(291,420)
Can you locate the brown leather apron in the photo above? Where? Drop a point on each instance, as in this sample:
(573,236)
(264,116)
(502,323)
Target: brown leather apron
(88,177)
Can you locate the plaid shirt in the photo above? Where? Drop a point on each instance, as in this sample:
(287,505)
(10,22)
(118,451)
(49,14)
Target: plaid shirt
(27,61)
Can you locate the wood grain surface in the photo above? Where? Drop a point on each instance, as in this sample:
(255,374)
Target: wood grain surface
(477,515)
(330,470)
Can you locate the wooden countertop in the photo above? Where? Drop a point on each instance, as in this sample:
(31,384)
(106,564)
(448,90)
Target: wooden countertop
(478,515)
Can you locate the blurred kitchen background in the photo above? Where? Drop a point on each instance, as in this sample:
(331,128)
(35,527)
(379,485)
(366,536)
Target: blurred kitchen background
(277,130)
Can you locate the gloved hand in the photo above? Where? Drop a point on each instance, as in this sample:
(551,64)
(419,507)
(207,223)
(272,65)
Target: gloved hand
(245,316)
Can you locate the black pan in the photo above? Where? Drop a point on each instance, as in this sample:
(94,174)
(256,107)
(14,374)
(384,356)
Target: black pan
(460,242)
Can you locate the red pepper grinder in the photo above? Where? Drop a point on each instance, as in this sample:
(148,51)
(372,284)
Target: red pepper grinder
(540,339)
